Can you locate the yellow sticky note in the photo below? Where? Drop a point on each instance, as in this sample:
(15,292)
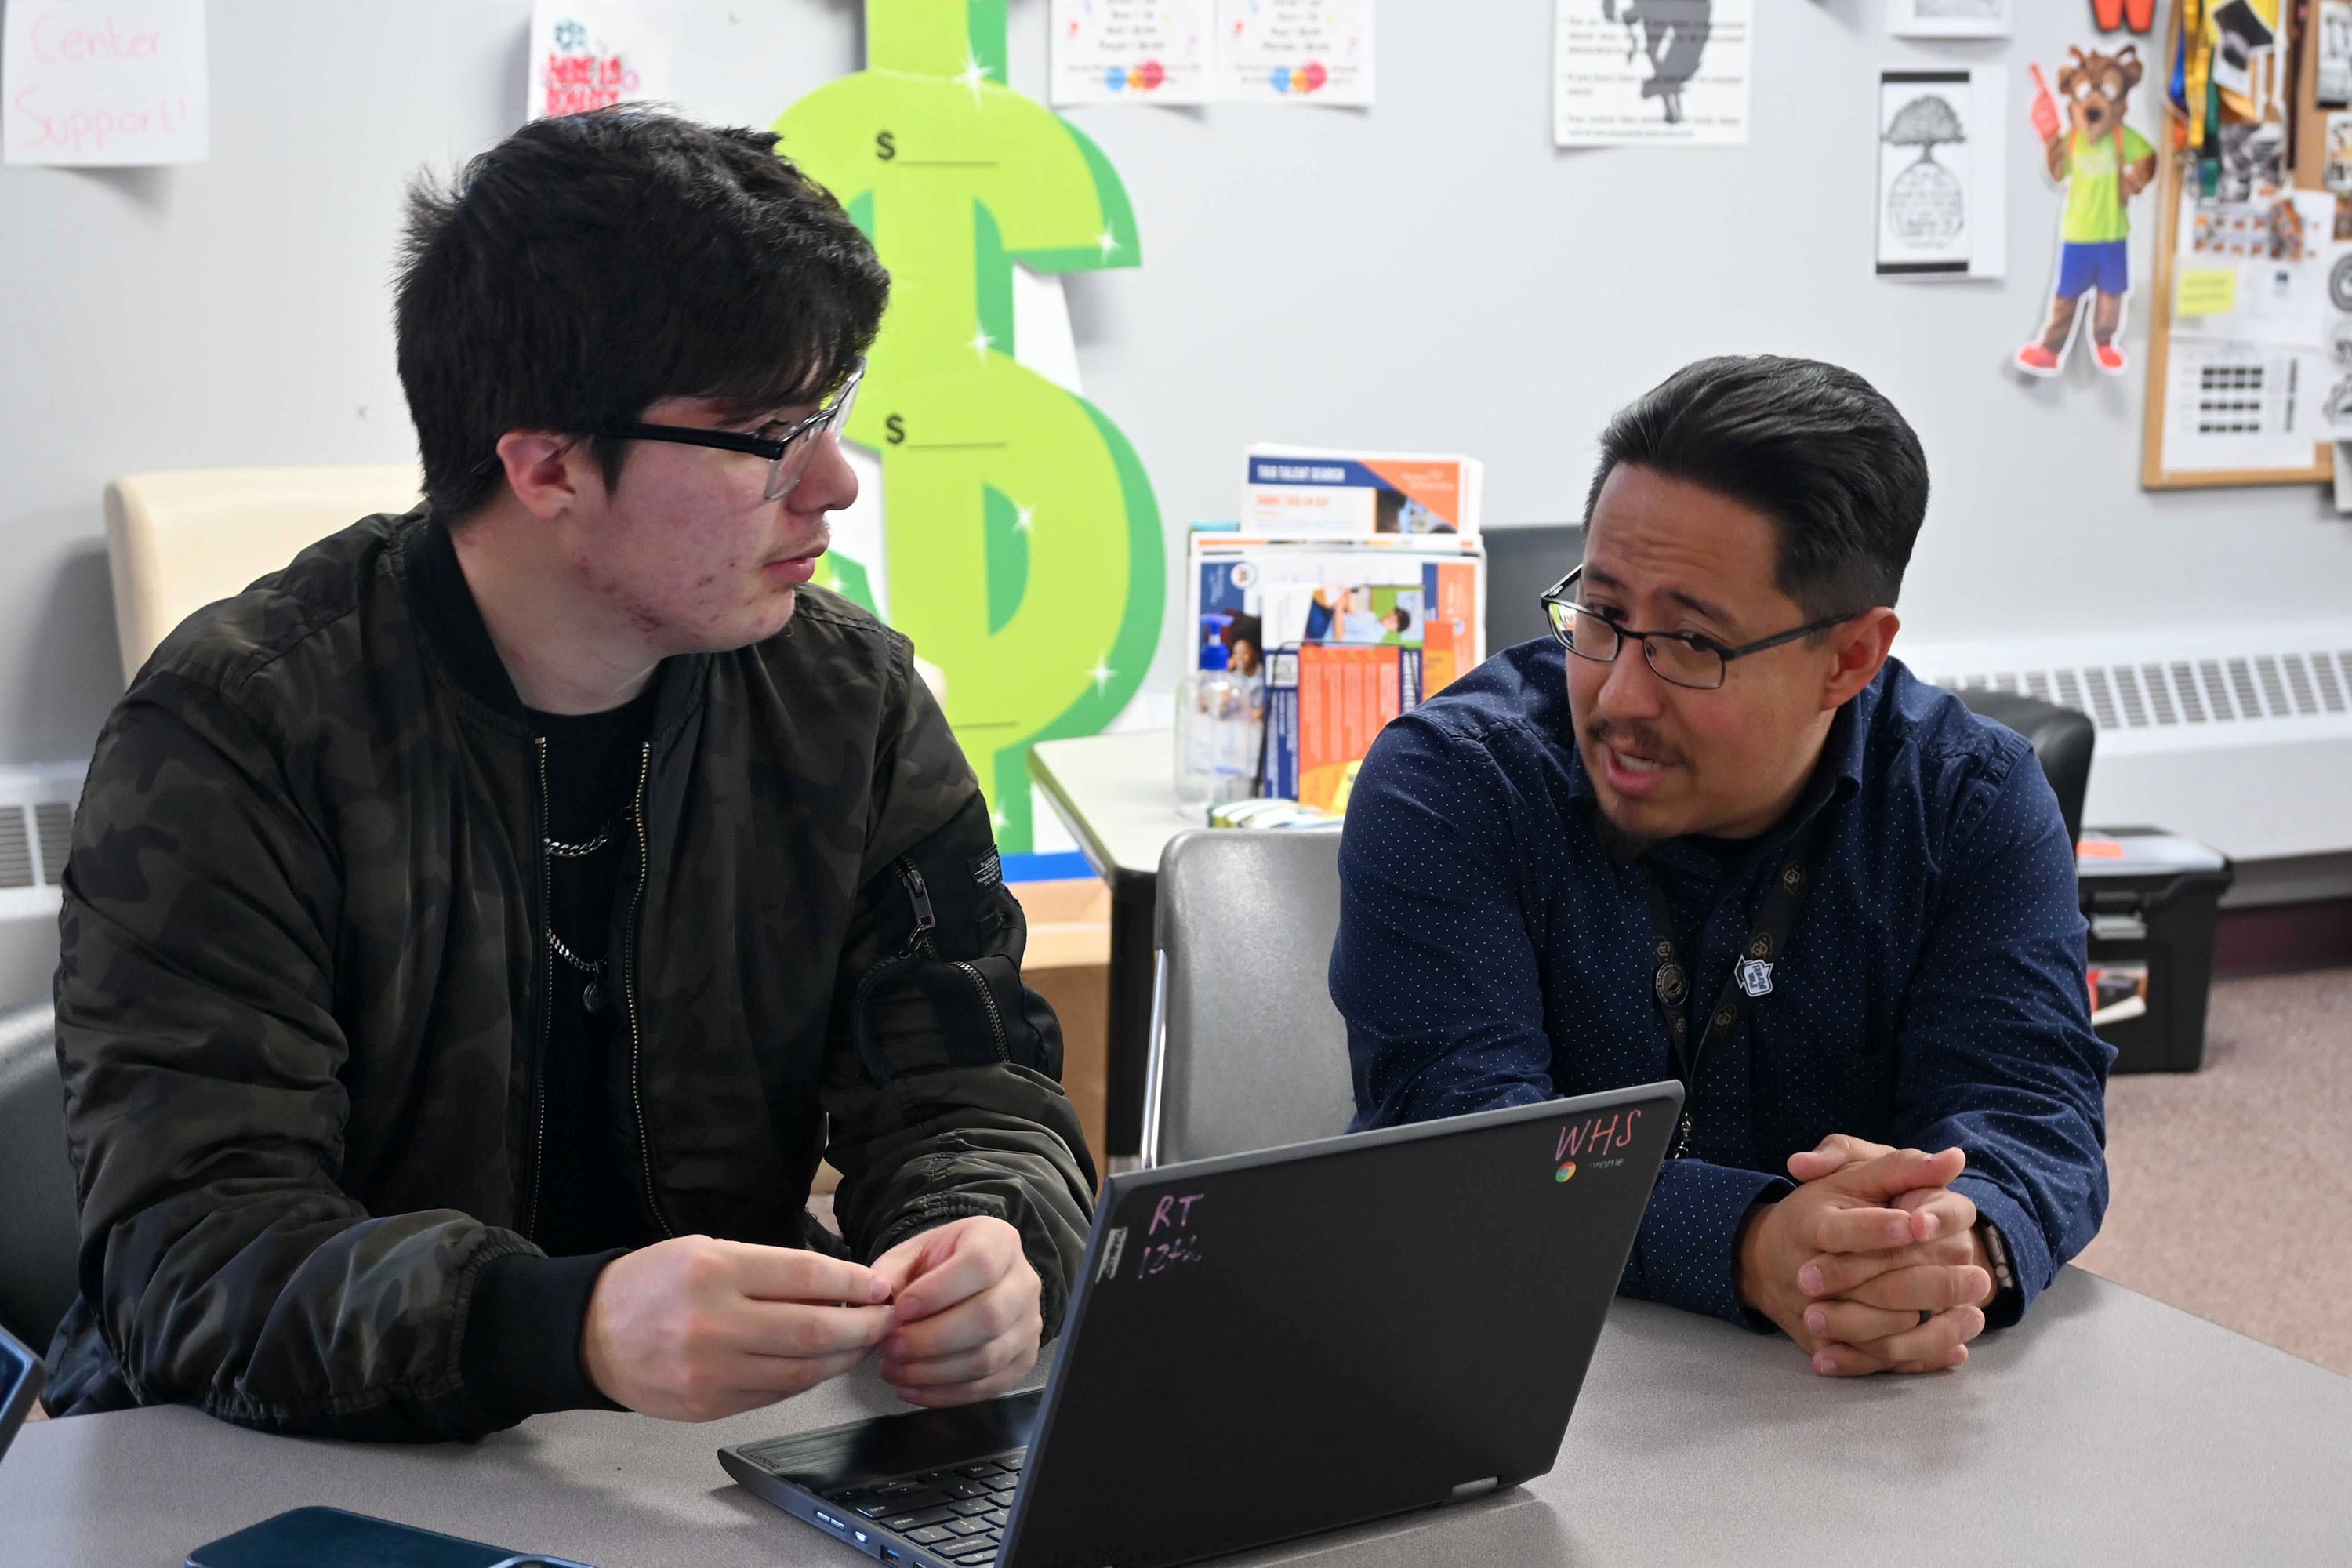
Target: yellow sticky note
(2206,291)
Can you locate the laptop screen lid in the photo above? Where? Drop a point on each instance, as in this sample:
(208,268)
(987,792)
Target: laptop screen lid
(1267,1345)
(20,1384)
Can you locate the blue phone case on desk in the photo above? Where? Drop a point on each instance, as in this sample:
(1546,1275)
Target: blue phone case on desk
(331,1538)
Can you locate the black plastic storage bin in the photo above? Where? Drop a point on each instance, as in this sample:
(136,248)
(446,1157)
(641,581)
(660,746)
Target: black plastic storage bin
(2153,900)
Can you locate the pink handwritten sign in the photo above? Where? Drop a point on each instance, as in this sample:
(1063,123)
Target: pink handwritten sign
(104,82)
(592,55)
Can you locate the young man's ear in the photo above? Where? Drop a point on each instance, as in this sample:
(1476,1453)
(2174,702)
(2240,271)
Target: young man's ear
(543,469)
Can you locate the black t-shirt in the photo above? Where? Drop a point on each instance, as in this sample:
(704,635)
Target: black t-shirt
(587,1200)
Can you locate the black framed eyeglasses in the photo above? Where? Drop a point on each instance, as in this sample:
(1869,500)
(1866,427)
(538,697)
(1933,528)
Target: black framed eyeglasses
(1688,659)
(788,454)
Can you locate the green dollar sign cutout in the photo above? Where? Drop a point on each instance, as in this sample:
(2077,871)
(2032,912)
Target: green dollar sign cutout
(1022,541)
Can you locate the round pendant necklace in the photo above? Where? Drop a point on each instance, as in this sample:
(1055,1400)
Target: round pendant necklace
(592,991)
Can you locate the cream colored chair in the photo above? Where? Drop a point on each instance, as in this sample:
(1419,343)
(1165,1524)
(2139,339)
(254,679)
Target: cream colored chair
(177,542)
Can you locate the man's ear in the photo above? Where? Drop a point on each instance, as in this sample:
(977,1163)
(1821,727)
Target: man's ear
(1859,648)
(543,469)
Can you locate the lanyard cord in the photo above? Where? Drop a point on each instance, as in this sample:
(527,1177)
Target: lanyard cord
(1751,970)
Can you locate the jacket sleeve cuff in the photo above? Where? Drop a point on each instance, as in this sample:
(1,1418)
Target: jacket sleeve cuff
(523,1335)
(1688,1254)
(2029,1248)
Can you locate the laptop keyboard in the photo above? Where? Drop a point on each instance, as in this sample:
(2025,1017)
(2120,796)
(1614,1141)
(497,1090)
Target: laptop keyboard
(955,1514)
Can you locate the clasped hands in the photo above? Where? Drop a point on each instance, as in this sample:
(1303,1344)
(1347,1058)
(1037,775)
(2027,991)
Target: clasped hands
(1873,1264)
(693,1328)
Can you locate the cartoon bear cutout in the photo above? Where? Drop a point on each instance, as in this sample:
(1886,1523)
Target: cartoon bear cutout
(2103,164)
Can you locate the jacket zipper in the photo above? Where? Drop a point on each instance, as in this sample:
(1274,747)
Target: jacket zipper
(629,999)
(546,991)
(988,1002)
(919,940)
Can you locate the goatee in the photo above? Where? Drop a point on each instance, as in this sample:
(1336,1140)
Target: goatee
(1624,848)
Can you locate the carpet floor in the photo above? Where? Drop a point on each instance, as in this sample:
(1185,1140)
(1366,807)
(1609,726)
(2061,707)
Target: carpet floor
(2232,1185)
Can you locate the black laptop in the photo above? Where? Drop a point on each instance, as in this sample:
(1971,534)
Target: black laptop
(1267,1345)
(20,1384)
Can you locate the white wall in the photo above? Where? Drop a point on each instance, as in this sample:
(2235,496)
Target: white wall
(1430,274)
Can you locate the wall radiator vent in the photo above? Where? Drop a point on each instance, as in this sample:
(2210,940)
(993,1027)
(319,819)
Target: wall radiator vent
(2241,736)
(2232,689)
(36,809)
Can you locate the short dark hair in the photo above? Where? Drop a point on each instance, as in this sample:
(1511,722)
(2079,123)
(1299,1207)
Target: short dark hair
(591,265)
(1813,447)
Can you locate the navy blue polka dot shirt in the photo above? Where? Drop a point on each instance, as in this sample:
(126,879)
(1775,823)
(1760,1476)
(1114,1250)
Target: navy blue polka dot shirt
(1492,953)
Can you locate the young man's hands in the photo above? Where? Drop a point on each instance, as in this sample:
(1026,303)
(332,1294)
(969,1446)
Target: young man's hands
(695,1329)
(967,1305)
(1873,1263)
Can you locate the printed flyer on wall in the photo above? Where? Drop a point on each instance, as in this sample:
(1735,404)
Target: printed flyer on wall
(1942,154)
(1132,51)
(1313,492)
(1644,72)
(2248,383)
(1294,51)
(592,55)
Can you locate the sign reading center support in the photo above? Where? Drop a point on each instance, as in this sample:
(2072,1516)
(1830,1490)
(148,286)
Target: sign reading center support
(90,82)
(1021,541)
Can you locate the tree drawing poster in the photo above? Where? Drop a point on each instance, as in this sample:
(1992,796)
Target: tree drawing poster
(1942,210)
(1645,72)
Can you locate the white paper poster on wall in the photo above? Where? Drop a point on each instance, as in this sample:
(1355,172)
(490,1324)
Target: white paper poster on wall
(1942,149)
(1651,72)
(1294,51)
(2254,289)
(95,84)
(1949,18)
(2336,401)
(589,56)
(1132,51)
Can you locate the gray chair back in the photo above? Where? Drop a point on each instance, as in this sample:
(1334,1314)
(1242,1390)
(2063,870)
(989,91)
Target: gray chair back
(1247,1051)
(1521,562)
(40,1226)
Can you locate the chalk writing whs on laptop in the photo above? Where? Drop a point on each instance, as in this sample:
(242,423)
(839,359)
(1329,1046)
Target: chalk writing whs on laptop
(1593,1137)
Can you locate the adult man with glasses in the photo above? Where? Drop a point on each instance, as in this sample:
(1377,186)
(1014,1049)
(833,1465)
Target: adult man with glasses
(1711,829)
(476,933)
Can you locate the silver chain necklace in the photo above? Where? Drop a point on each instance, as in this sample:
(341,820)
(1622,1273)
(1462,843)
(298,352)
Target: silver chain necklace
(592,991)
(564,851)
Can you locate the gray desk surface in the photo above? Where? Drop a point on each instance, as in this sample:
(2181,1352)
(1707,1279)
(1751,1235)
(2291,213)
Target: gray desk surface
(1118,795)
(2107,1429)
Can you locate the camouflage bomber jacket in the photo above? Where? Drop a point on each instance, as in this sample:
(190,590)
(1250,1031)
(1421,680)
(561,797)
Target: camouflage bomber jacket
(303,992)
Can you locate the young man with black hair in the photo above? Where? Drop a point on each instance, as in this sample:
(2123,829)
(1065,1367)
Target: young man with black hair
(476,933)
(1711,830)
